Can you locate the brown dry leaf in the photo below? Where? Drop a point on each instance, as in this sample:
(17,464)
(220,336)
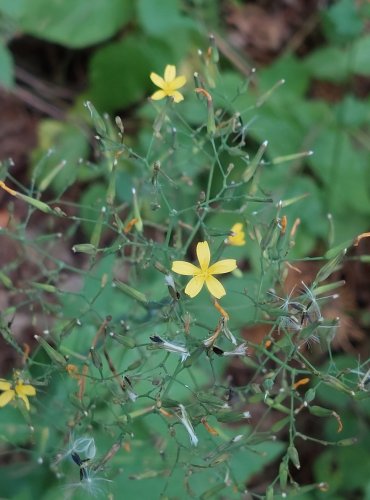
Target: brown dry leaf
(257,29)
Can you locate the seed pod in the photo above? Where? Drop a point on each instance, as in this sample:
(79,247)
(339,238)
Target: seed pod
(131,292)
(44,286)
(270,493)
(252,167)
(294,457)
(53,354)
(347,442)
(98,121)
(280,424)
(319,411)
(84,248)
(96,359)
(283,475)
(122,339)
(310,395)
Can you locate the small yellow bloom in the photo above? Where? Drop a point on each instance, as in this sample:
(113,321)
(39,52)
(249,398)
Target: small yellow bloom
(237,238)
(11,391)
(204,273)
(169,85)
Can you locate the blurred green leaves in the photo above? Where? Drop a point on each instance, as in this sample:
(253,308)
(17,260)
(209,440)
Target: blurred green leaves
(6,67)
(342,21)
(60,155)
(134,39)
(73,23)
(119,72)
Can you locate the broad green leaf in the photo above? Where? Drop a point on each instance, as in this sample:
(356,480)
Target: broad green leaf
(343,168)
(329,63)
(119,72)
(13,9)
(360,56)
(164,19)
(342,21)
(161,16)
(352,112)
(292,71)
(73,23)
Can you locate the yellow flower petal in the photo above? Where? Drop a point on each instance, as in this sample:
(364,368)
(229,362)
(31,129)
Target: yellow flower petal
(237,227)
(4,385)
(25,400)
(238,239)
(25,390)
(194,286)
(215,287)
(223,266)
(169,73)
(177,96)
(203,254)
(184,268)
(157,80)
(6,397)
(178,82)
(160,94)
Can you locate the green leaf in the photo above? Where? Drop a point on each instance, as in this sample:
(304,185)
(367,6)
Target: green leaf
(157,17)
(73,23)
(6,67)
(119,72)
(329,63)
(164,19)
(343,169)
(342,21)
(13,8)
(360,56)
(352,112)
(292,71)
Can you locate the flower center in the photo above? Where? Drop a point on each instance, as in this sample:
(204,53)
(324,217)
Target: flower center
(204,274)
(168,87)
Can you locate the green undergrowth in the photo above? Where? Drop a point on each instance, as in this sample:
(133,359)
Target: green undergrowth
(141,388)
(130,366)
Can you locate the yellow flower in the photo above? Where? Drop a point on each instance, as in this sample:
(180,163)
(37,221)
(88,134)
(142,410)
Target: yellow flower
(204,273)
(237,239)
(168,85)
(10,391)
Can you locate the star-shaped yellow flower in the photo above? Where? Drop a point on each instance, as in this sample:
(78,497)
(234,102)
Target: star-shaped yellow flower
(11,391)
(204,274)
(169,85)
(237,239)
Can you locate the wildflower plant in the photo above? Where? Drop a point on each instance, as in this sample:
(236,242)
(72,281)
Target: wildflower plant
(205,273)
(136,362)
(169,84)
